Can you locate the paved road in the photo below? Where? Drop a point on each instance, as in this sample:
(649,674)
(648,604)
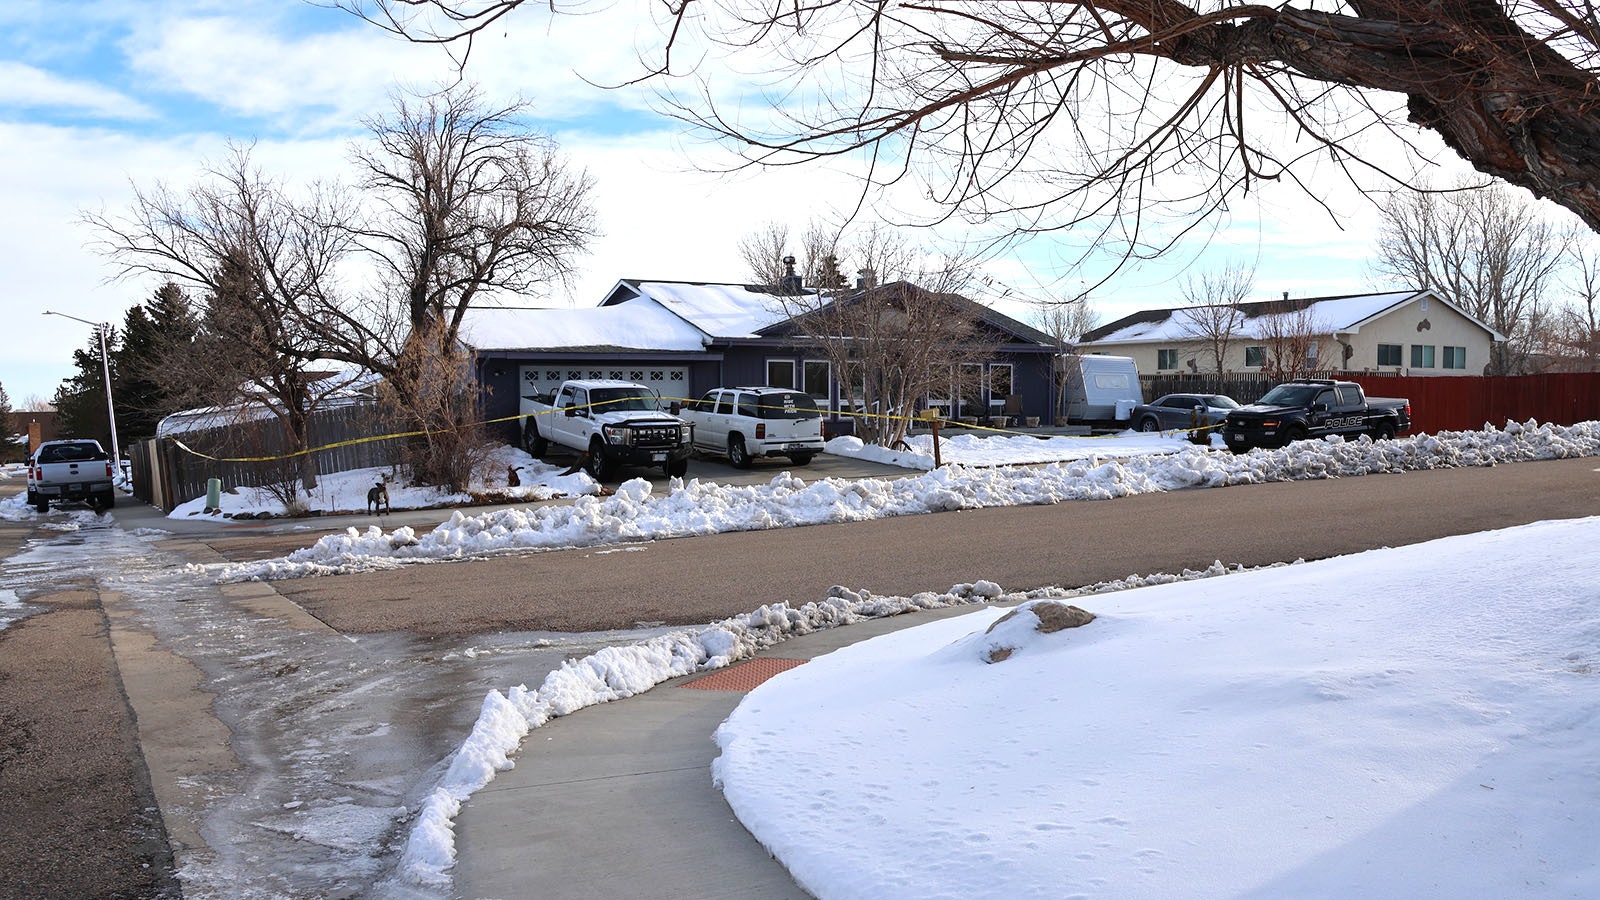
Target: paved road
(696,580)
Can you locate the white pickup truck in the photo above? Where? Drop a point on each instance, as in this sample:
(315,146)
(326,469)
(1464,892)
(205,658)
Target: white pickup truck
(71,470)
(748,423)
(615,423)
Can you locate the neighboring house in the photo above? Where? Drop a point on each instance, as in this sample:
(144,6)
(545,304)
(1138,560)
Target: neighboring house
(1402,332)
(685,338)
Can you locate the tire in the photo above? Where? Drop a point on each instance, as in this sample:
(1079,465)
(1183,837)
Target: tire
(1149,423)
(1383,431)
(41,505)
(533,441)
(738,456)
(600,466)
(677,468)
(801,459)
(1293,433)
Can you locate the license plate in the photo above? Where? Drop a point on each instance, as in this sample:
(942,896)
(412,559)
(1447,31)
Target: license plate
(795,447)
(1235,437)
(75,487)
(658,457)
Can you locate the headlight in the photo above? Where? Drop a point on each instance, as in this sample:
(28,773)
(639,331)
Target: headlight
(685,433)
(621,435)
(1269,423)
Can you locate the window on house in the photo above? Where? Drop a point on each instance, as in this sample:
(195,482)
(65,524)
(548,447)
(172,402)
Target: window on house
(1167,359)
(1389,355)
(1455,357)
(1421,356)
(817,375)
(1255,357)
(999,381)
(780,373)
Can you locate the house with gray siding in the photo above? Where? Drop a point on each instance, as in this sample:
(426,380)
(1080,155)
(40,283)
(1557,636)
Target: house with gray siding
(686,338)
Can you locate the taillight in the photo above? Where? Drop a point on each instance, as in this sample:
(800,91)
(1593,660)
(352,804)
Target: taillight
(761,431)
(108,468)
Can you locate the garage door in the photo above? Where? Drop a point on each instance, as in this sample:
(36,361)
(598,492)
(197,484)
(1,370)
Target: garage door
(671,382)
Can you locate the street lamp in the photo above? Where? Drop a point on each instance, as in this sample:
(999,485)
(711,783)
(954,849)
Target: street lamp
(105,367)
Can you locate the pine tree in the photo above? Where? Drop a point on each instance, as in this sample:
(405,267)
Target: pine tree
(155,334)
(81,398)
(9,450)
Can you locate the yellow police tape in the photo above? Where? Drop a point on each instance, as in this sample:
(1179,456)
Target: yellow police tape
(421,432)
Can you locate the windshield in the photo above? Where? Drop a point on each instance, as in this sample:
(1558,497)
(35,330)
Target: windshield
(611,399)
(788,405)
(1290,395)
(1217,401)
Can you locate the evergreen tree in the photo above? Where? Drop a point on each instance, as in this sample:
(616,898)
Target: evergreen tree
(156,335)
(8,449)
(80,400)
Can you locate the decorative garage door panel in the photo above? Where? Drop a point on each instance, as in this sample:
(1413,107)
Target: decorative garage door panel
(668,381)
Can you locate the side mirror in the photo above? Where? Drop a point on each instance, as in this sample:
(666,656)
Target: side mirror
(1319,407)
(572,412)
(675,408)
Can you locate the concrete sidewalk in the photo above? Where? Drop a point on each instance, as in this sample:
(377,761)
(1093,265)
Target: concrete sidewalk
(616,800)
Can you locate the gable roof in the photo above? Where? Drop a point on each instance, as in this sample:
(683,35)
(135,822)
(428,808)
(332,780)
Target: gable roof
(717,310)
(640,314)
(641,324)
(1339,315)
(1018,331)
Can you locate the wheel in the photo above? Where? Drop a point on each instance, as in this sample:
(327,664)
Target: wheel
(801,459)
(1149,423)
(600,466)
(1294,433)
(677,468)
(1383,432)
(533,441)
(738,456)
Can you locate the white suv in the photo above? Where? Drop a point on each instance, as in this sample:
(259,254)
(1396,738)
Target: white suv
(748,423)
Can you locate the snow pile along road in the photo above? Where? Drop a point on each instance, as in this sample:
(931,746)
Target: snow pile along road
(634,513)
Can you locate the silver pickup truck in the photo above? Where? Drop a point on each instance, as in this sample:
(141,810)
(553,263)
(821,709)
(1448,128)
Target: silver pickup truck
(70,470)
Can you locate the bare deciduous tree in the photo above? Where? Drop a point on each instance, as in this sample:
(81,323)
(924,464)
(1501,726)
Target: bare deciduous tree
(1486,249)
(1295,344)
(891,346)
(1575,340)
(1214,315)
(462,202)
(1065,322)
(1111,110)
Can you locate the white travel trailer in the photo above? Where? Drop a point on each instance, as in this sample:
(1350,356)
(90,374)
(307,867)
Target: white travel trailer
(1100,390)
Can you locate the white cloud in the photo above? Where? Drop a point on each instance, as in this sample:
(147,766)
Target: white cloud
(25,87)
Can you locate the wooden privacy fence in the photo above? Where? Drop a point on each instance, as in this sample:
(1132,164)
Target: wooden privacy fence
(1438,403)
(1466,403)
(166,476)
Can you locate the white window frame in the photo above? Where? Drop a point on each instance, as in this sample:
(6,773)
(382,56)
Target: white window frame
(781,362)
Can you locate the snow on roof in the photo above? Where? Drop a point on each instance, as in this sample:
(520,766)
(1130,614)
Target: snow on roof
(1335,314)
(720,310)
(640,324)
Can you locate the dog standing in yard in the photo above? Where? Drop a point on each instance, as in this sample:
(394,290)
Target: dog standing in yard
(512,478)
(378,497)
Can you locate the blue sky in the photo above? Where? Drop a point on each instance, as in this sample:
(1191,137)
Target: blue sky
(97,95)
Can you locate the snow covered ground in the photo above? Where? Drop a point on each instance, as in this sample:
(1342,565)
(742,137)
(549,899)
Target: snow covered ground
(1428,734)
(1300,736)
(346,492)
(1093,469)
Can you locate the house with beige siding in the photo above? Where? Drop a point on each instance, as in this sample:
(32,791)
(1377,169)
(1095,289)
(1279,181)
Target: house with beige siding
(1413,332)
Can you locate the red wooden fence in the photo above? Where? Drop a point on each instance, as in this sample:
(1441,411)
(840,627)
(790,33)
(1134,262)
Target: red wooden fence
(1466,403)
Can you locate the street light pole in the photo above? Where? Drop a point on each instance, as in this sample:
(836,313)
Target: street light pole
(105,369)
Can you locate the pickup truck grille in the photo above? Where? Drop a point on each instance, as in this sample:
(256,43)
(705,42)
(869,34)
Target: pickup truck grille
(655,435)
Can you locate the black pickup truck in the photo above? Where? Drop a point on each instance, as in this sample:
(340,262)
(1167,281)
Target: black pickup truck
(1314,408)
